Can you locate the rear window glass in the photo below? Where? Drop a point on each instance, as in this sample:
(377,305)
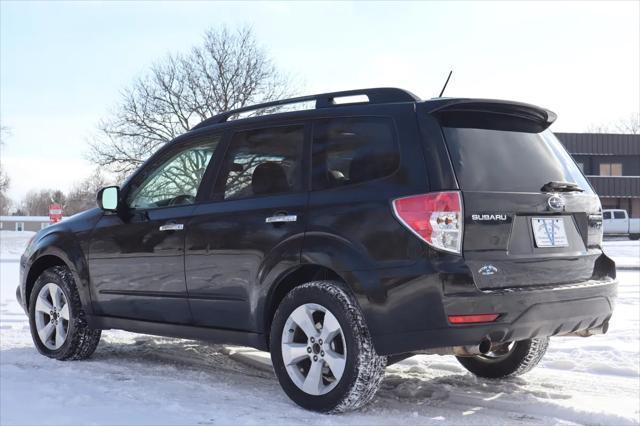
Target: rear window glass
(618,215)
(353,150)
(495,160)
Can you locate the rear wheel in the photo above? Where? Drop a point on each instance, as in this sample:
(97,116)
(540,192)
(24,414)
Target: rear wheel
(57,320)
(508,359)
(321,349)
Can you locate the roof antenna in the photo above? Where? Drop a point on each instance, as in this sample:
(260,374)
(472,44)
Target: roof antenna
(445,83)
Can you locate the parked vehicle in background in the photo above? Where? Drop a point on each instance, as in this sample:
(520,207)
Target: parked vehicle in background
(342,239)
(616,222)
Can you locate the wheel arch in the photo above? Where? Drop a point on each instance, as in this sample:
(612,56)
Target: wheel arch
(287,282)
(58,250)
(37,268)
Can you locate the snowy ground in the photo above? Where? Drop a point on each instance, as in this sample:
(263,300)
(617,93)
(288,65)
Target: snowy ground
(136,379)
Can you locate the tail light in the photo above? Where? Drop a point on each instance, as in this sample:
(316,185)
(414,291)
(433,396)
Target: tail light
(435,217)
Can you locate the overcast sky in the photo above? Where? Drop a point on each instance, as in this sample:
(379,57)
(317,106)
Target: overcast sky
(64,65)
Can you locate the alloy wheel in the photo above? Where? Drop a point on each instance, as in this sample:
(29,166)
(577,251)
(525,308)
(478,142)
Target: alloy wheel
(52,316)
(313,349)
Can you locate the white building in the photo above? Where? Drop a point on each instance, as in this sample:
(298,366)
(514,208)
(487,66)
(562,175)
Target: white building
(23,223)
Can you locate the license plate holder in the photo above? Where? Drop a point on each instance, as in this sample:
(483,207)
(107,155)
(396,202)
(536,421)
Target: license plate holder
(549,232)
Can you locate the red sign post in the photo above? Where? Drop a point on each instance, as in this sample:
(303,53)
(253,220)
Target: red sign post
(55,213)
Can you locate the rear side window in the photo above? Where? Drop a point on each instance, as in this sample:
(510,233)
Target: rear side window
(618,215)
(496,160)
(348,151)
(264,162)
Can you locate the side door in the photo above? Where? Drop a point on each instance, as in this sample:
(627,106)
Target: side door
(253,227)
(620,222)
(136,257)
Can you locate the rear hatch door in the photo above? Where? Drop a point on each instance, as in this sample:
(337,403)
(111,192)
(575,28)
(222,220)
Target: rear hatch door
(531,217)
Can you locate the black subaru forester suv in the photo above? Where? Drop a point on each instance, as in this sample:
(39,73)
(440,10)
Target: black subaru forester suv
(341,238)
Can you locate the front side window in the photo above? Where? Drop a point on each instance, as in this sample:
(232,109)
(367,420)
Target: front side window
(607,215)
(264,162)
(353,150)
(175,181)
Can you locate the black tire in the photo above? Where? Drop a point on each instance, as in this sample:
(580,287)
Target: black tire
(81,341)
(522,357)
(364,368)
(634,237)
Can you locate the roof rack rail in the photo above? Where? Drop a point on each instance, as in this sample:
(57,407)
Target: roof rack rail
(378,95)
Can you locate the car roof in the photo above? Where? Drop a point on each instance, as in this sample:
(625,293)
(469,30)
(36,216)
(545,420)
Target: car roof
(376,96)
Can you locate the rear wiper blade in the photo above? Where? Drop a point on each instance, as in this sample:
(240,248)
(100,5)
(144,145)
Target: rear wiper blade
(558,186)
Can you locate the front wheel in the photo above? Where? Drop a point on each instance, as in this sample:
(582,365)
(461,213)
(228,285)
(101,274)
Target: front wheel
(58,325)
(321,349)
(508,359)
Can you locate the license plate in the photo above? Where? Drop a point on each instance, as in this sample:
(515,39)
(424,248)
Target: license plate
(549,232)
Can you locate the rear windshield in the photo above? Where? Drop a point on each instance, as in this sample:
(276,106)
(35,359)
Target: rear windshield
(495,160)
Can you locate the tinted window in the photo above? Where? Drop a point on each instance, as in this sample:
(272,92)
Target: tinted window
(264,161)
(352,150)
(606,215)
(492,160)
(618,215)
(176,180)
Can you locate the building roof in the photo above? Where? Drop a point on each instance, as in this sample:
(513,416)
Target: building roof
(24,218)
(600,143)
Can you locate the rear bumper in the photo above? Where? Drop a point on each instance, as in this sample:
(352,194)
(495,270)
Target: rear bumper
(525,313)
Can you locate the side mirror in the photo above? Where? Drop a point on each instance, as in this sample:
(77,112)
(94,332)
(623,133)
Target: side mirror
(108,198)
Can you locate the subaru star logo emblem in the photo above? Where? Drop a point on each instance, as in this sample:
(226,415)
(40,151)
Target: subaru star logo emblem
(556,202)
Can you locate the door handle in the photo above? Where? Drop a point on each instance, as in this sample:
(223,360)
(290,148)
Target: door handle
(281,218)
(172,227)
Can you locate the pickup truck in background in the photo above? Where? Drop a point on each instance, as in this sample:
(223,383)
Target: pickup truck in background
(618,222)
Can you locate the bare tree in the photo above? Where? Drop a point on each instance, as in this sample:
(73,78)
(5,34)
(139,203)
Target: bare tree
(5,201)
(629,125)
(36,203)
(228,70)
(83,195)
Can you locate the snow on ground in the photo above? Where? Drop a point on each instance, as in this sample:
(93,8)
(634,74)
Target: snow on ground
(625,252)
(137,379)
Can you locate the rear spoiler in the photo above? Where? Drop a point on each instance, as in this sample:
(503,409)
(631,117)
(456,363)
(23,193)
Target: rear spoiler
(490,114)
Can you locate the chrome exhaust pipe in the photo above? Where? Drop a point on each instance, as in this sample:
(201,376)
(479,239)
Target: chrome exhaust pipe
(601,329)
(480,349)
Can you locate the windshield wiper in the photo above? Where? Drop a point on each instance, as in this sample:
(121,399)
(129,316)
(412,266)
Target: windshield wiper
(558,186)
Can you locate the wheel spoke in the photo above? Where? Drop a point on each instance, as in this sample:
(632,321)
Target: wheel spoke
(64,312)
(43,305)
(292,353)
(61,334)
(56,296)
(302,317)
(330,327)
(313,382)
(336,363)
(46,332)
